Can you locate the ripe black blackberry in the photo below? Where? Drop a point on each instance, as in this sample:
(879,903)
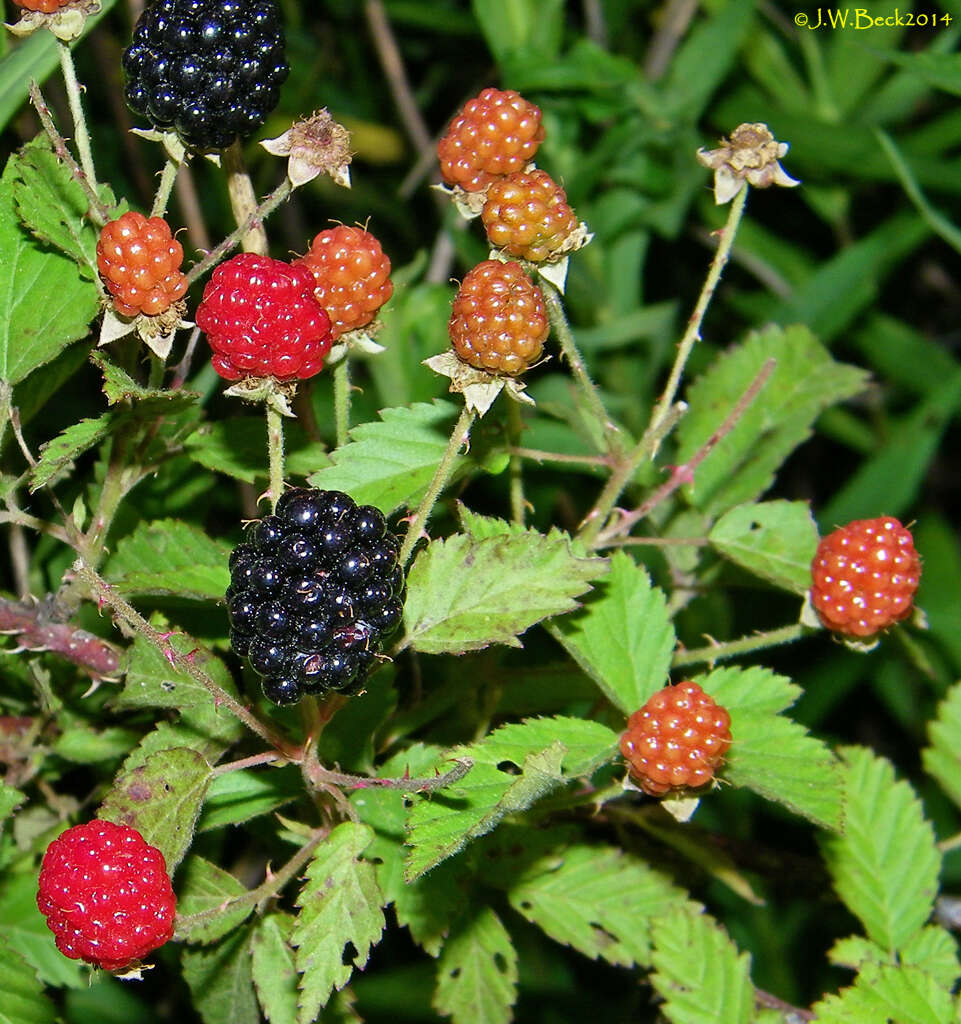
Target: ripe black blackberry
(210,69)
(315,589)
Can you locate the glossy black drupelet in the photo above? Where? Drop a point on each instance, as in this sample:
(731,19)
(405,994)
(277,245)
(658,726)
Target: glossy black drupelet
(315,589)
(210,69)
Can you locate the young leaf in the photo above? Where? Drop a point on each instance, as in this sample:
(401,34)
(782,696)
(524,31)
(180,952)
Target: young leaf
(699,972)
(236,797)
(161,800)
(272,965)
(477,971)
(465,594)
(24,1001)
(775,540)
(340,905)
(622,637)
(935,951)
(119,386)
(170,558)
(204,888)
(513,767)
(805,382)
(34,281)
(770,753)
(390,464)
(62,450)
(940,759)
(882,993)
(598,900)
(220,981)
(885,865)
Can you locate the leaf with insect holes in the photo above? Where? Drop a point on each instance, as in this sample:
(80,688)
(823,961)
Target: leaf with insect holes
(391,463)
(46,303)
(161,800)
(340,905)
(805,382)
(699,972)
(477,970)
(775,540)
(464,594)
(622,637)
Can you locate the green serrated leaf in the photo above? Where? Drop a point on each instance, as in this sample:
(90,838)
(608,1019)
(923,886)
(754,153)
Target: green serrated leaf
(274,972)
(854,951)
(883,993)
(171,558)
(204,889)
(220,981)
(465,594)
(119,386)
(161,800)
(87,746)
(941,759)
(10,800)
(24,1001)
(340,904)
(885,865)
(775,540)
(935,951)
(237,447)
(770,753)
(78,438)
(742,465)
(240,796)
(699,971)
(391,463)
(596,899)
(622,637)
(477,971)
(32,279)
(513,767)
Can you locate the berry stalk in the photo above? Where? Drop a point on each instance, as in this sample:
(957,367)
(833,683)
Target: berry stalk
(81,135)
(342,400)
(243,201)
(167,178)
(715,651)
(275,454)
(515,427)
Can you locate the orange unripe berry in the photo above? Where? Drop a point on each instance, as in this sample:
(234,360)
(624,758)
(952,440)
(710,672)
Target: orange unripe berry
(526,214)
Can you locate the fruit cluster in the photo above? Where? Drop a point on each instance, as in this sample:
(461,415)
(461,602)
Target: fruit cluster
(209,69)
(677,740)
(106,895)
(314,592)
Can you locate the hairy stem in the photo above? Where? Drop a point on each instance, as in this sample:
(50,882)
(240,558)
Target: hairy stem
(321,776)
(719,651)
(167,178)
(275,454)
(81,135)
(515,428)
(342,400)
(243,200)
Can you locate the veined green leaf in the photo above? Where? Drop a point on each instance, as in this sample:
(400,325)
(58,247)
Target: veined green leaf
(941,759)
(220,980)
(204,888)
(24,1001)
(881,993)
(274,972)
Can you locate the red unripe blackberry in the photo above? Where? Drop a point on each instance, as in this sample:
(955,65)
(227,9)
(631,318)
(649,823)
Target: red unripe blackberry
(43,6)
(106,894)
(139,261)
(677,740)
(352,275)
(526,214)
(499,321)
(262,320)
(493,134)
(864,576)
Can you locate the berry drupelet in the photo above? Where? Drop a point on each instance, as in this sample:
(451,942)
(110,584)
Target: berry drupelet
(677,740)
(526,215)
(864,576)
(209,69)
(314,592)
(106,895)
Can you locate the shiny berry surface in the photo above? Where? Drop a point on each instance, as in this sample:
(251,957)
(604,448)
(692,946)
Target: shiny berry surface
(42,6)
(526,215)
(106,895)
(864,576)
(495,133)
(139,261)
(677,740)
(352,276)
(262,320)
(498,322)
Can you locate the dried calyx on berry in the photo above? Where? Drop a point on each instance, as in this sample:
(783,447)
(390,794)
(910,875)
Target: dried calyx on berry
(315,590)
(106,895)
(66,19)
(864,577)
(677,740)
(209,69)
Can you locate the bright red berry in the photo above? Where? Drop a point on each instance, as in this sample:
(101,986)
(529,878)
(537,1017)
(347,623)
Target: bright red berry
(527,215)
(43,6)
(139,261)
(352,276)
(106,895)
(499,322)
(262,320)
(493,134)
(864,576)
(677,740)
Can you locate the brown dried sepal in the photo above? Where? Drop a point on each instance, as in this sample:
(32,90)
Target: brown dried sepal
(750,155)
(67,23)
(314,146)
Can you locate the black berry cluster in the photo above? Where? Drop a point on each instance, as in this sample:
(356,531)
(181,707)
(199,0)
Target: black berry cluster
(314,592)
(211,69)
